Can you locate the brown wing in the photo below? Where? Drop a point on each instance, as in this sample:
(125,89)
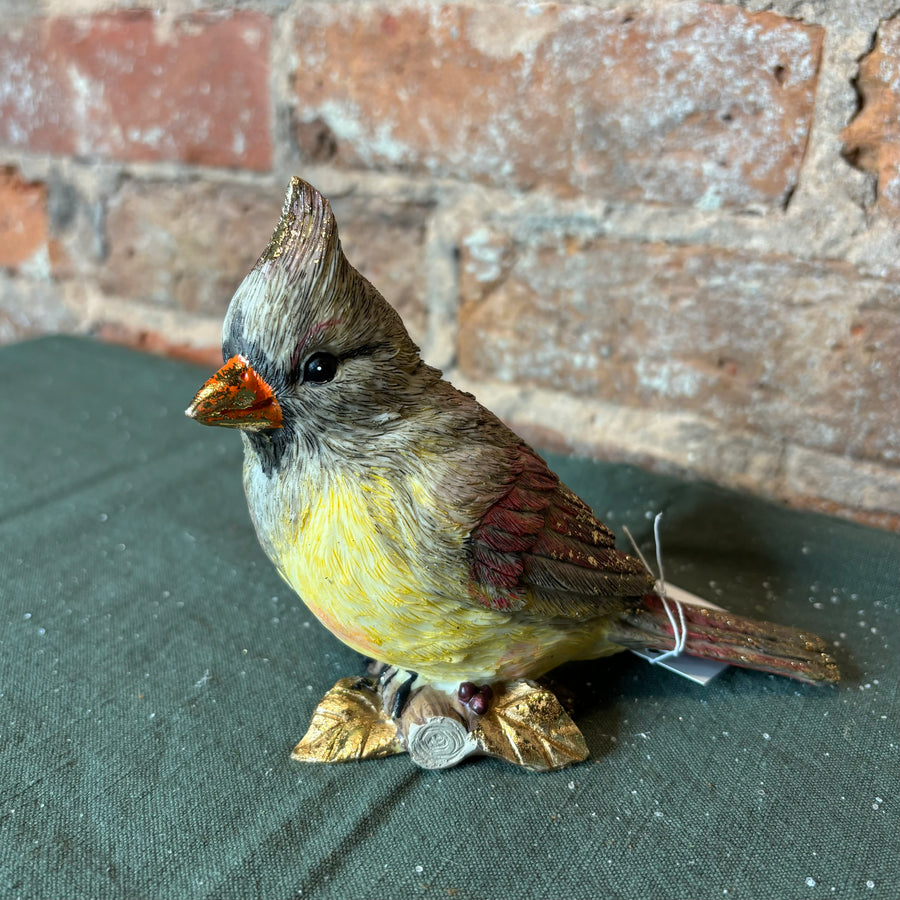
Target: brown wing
(540,549)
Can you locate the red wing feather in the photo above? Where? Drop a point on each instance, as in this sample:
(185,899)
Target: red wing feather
(540,548)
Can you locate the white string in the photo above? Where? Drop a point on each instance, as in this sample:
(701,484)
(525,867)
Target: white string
(679,627)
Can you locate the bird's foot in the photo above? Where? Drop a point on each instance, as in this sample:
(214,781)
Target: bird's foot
(477,699)
(518,721)
(395,686)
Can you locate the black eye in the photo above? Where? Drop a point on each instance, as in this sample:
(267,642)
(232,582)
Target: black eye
(320,368)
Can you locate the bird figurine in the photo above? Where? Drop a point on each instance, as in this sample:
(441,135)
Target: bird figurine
(420,530)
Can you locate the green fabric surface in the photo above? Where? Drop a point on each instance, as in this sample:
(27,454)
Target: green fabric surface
(155,673)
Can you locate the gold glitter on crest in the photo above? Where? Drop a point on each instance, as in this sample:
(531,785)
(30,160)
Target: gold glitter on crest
(301,217)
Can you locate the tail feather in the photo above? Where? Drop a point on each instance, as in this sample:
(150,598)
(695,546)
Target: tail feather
(721,635)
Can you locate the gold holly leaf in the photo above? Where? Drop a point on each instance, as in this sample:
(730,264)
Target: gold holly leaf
(348,724)
(526,725)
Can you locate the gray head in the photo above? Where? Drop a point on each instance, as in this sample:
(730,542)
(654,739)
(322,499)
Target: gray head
(314,354)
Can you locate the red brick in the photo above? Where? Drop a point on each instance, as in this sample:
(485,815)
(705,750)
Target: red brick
(23,218)
(123,86)
(189,245)
(765,344)
(691,103)
(872,139)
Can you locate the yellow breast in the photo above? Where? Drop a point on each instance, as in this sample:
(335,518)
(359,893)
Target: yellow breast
(360,555)
(384,568)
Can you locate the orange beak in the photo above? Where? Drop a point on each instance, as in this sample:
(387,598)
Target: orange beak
(236,397)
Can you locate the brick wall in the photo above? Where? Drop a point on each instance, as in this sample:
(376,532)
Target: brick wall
(659,231)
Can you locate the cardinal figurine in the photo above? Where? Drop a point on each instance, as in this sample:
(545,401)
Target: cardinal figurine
(423,532)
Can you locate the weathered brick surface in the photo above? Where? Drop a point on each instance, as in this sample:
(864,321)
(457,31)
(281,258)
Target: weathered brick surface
(185,245)
(23,219)
(834,483)
(189,245)
(385,240)
(766,344)
(688,103)
(123,86)
(634,284)
(29,309)
(872,140)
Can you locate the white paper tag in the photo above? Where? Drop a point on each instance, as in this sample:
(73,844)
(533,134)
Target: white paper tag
(695,668)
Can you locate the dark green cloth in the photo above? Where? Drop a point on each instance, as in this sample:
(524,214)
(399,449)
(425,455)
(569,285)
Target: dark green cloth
(155,673)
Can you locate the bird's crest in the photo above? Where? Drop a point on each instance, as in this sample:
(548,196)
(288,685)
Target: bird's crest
(305,238)
(303,291)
